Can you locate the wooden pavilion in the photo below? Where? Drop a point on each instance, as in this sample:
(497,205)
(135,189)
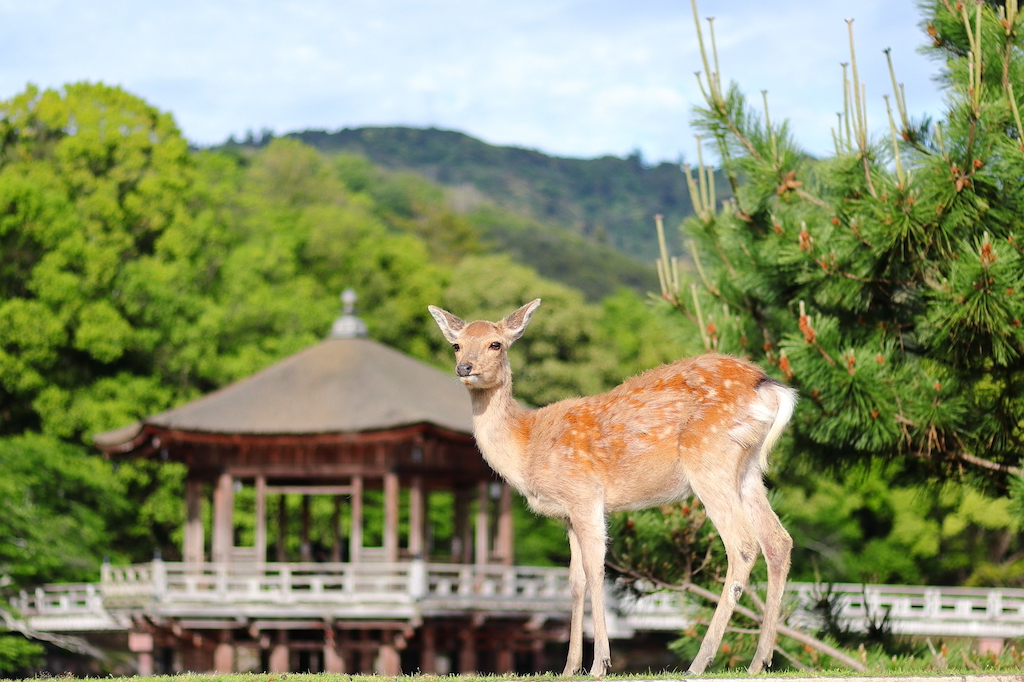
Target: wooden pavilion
(361,424)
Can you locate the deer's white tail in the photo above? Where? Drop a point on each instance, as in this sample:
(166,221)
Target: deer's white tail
(785,400)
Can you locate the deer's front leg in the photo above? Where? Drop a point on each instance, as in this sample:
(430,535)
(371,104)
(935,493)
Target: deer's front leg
(591,537)
(578,591)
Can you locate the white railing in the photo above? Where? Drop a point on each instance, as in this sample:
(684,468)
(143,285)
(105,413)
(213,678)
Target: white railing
(912,610)
(524,584)
(63,599)
(333,583)
(69,607)
(127,584)
(917,610)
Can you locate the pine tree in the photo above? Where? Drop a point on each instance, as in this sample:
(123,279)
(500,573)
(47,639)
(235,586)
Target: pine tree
(886,281)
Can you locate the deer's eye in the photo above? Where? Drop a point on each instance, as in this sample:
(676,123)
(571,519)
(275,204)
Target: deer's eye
(456,347)
(496,345)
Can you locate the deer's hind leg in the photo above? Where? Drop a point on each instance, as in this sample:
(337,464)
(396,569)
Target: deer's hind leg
(719,491)
(776,545)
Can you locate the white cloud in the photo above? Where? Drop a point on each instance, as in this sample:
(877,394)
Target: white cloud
(572,77)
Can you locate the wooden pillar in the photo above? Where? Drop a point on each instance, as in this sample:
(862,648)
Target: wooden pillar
(305,547)
(505,526)
(506,658)
(390,661)
(194,549)
(355,537)
(391,502)
(224,654)
(282,527)
(482,544)
(333,661)
(366,655)
(141,644)
(343,644)
(261,519)
(991,645)
(428,651)
(223,521)
(280,655)
(336,530)
(417,519)
(145,659)
(457,525)
(467,651)
(538,654)
(464,551)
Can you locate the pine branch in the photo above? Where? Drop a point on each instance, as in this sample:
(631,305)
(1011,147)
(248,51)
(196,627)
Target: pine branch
(988,464)
(76,645)
(970,459)
(782,628)
(803,194)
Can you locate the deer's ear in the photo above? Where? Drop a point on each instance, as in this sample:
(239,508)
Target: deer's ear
(449,324)
(515,324)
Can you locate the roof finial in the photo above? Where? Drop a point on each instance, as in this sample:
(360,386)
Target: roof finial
(348,326)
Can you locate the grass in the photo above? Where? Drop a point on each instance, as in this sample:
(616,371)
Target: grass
(328,677)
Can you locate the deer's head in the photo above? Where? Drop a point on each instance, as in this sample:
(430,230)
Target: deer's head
(481,348)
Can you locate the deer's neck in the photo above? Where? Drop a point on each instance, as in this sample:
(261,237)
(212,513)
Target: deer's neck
(502,430)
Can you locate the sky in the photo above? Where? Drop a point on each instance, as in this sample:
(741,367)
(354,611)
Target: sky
(580,78)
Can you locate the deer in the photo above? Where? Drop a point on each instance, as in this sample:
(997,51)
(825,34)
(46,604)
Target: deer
(700,426)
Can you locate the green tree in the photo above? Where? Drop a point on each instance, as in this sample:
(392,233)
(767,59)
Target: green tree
(307,235)
(90,179)
(56,502)
(886,281)
(136,276)
(19,655)
(871,524)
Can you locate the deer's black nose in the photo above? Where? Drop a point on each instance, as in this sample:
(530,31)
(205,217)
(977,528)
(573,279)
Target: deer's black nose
(464,369)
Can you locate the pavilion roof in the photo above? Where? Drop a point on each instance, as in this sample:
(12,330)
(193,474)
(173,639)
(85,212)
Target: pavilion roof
(340,385)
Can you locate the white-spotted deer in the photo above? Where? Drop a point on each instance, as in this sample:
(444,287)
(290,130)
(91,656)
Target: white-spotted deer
(704,425)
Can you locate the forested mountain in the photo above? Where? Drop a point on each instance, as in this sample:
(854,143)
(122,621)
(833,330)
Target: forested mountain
(608,200)
(518,202)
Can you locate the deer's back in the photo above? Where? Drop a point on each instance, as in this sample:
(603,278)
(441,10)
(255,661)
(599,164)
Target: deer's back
(646,426)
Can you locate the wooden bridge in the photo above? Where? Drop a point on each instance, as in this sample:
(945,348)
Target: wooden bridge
(209,596)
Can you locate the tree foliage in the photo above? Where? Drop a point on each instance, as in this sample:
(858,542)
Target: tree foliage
(870,524)
(886,281)
(90,179)
(137,275)
(18,655)
(56,503)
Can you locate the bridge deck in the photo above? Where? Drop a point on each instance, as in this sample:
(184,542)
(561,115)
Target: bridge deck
(410,590)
